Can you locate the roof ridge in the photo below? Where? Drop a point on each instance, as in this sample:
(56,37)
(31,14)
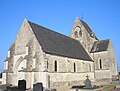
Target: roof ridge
(48,29)
(88,28)
(53,31)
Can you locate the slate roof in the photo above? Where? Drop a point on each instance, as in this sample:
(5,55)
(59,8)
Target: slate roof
(59,44)
(100,46)
(88,29)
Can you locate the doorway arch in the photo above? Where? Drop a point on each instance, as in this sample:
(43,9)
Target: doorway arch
(17,64)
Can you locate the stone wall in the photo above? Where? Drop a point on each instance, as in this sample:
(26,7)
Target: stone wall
(103,56)
(4,78)
(107,57)
(107,68)
(65,74)
(20,57)
(23,37)
(102,75)
(112,60)
(85,39)
(68,79)
(101,68)
(10,58)
(108,62)
(5,65)
(65,64)
(26,60)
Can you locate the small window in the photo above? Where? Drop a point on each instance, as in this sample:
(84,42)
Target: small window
(100,64)
(47,64)
(74,67)
(80,33)
(89,67)
(55,65)
(76,34)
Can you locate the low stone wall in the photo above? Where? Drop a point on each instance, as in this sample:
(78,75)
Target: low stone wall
(62,84)
(106,80)
(102,76)
(68,79)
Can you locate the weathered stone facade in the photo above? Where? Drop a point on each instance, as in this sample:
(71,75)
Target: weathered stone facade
(99,50)
(35,59)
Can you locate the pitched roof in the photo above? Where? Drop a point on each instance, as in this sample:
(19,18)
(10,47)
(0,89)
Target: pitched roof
(88,29)
(59,44)
(100,46)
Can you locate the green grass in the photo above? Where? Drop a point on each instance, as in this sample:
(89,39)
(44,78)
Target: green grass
(107,87)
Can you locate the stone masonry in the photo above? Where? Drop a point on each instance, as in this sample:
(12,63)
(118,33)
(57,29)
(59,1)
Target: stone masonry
(39,54)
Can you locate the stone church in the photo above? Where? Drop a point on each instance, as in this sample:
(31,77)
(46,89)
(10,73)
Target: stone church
(39,54)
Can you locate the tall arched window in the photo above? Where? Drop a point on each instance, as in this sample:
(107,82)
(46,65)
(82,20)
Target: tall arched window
(47,64)
(100,64)
(55,65)
(89,67)
(80,33)
(74,67)
(76,34)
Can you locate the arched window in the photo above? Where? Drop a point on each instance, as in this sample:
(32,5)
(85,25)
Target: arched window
(55,65)
(80,33)
(76,34)
(74,67)
(47,64)
(89,67)
(100,64)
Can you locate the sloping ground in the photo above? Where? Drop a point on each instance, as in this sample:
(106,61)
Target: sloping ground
(117,89)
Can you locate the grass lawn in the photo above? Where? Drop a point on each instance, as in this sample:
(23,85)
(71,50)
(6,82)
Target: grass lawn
(107,87)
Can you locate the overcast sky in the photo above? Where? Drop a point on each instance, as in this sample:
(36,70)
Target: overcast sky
(103,16)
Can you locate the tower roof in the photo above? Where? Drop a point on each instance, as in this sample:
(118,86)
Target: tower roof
(89,30)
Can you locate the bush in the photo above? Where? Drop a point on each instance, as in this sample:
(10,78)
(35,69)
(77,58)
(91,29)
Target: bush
(119,73)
